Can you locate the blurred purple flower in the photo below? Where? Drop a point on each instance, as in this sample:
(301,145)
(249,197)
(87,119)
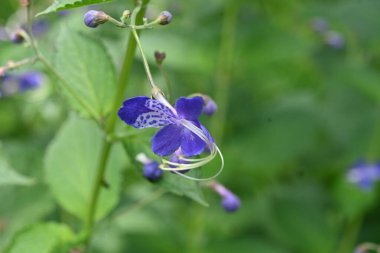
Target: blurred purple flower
(319,24)
(364,175)
(13,83)
(334,40)
(30,80)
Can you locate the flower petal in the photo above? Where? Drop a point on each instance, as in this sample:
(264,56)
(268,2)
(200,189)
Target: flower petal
(189,108)
(143,112)
(167,140)
(191,144)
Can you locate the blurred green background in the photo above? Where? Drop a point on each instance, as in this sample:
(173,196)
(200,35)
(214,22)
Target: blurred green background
(295,112)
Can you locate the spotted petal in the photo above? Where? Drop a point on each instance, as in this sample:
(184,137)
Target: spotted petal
(143,112)
(189,108)
(191,144)
(167,140)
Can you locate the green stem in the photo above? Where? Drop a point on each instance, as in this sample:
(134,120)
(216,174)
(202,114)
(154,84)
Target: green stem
(145,62)
(349,237)
(106,145)
(224,69)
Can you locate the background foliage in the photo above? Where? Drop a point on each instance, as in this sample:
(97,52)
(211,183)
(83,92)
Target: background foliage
(295,114)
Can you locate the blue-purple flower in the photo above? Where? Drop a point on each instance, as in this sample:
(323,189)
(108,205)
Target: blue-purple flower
(364,175)
(143,112)
(180,130)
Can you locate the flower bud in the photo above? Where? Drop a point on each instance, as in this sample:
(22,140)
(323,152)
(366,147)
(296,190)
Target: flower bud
(230,202)
(25,3)
(159,56)
(165,18)
(151,170)
(17,37)
(30,80)
(94,18)
(126,15)
(209,107)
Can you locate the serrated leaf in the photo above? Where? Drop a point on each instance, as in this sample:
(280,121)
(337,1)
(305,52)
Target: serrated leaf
(88,71)
(59,5)
(42,238)
(70,166)
(9,176)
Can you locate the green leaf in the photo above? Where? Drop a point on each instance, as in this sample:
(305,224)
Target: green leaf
(59,5)
(12,177)
(183,186)
(42,238)
(70,166)
(8,176)
(88,71)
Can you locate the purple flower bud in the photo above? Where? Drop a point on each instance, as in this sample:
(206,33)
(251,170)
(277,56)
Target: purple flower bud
(364,175)
(334,40)
(30,80)
(210,106)
(230,202)
(319,25)
(151,170)
(94,18)
(17,37)
(165,18)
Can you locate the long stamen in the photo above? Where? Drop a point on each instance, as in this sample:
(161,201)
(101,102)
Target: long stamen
(195,163)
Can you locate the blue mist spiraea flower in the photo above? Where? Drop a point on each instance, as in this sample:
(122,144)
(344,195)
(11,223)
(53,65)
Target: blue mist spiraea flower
(180,128)
(151,170)
(94,18)
(165,18)
(364,175)
(230,202)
